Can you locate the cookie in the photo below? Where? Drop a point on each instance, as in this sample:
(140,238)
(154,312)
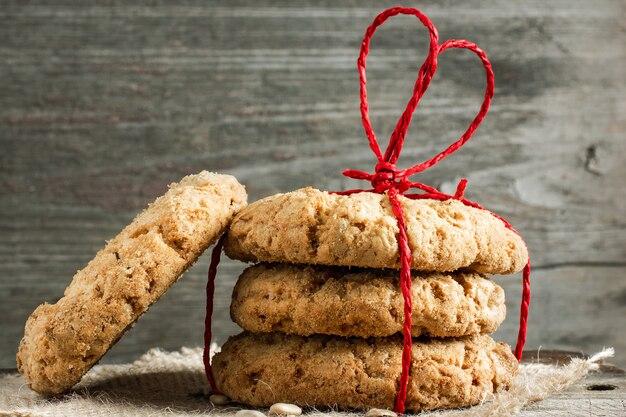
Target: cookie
(309,226)
(63,340)
(346,373)
(306,300)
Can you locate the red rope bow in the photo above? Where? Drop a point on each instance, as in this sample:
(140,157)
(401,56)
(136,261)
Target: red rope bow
(388,178)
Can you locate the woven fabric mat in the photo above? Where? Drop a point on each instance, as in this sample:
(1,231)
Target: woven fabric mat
(173,384)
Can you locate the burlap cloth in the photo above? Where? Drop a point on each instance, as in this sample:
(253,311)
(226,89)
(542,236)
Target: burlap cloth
(173,384)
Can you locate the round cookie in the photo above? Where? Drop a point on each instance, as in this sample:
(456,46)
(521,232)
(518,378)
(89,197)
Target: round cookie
(347,373)
(309,226)
(307,300)
(64,340)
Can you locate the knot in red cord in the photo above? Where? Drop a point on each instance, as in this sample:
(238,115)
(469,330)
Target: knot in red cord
(386,177)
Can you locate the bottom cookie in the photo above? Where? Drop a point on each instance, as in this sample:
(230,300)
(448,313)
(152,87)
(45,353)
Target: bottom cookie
(353,373)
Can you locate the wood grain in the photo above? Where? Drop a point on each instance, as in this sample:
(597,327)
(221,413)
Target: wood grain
(102,106)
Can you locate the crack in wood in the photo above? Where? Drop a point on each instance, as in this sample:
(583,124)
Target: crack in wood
(591,163)
(579,265)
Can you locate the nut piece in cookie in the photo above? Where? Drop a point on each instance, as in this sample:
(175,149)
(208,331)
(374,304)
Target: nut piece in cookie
(64,340)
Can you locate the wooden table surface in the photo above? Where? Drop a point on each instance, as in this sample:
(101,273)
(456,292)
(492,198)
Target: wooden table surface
(600,394)
(101,106)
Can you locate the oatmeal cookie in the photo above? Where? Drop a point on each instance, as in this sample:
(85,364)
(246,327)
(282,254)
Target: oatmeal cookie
(306,300)
(355,373)
(309,226)
(64,340)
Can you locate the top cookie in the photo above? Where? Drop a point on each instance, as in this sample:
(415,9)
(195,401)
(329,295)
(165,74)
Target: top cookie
(309,226)
(62,341)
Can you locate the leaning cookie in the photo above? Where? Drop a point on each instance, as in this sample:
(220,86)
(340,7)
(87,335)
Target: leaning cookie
(347,373)
(309,226)
(63,340)
(307,300)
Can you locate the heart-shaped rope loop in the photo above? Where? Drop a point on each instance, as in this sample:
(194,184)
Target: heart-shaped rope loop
(425,75)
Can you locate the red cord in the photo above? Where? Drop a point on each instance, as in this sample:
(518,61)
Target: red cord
(210,292)
(387,178)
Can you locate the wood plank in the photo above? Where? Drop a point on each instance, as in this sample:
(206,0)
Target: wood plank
(102,106)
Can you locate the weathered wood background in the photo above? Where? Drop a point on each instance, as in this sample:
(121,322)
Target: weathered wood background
(102,106)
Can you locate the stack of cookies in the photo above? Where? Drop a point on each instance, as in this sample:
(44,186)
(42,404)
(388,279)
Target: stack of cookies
(322,309)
